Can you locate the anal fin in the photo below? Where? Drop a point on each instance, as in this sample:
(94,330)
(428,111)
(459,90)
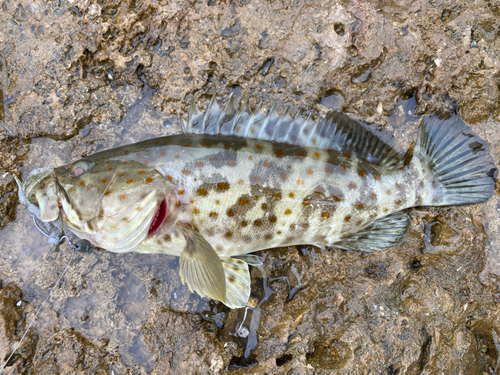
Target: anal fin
(237,282)
(378,235)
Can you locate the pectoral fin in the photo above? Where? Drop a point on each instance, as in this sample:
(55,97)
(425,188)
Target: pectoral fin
(237,282)
(251,259)
(201,267)
(378,235)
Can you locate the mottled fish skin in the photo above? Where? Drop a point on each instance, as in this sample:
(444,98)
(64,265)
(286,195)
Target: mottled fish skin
(244,195)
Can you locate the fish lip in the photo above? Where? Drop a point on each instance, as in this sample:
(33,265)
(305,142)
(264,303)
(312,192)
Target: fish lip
(159,218)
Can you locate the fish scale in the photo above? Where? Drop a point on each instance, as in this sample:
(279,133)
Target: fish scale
(238,181)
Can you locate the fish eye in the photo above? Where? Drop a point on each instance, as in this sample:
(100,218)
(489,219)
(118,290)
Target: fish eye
(79,168)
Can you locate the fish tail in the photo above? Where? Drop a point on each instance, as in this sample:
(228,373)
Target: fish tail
(454,165)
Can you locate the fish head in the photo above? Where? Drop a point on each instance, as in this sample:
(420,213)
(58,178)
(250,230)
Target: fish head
(114,204)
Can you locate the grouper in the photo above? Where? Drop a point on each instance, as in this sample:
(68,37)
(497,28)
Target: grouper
(237,181)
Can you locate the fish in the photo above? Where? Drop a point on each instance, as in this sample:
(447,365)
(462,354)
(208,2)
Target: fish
(237,181)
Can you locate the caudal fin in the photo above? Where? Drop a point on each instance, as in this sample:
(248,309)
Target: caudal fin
(455,165)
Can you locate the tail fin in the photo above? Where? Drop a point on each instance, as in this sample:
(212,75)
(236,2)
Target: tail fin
(455,165)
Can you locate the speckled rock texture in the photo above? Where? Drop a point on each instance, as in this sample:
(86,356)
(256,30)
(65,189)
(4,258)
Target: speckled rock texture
(78,77)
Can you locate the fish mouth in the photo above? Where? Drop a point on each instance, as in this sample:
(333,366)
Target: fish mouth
(159,218)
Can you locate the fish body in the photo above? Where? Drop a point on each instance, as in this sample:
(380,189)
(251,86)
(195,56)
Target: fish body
(236,182)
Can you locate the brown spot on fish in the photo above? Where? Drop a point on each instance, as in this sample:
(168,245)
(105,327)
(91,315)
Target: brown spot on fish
(328,169)
(243,201)
(95,171)
(319,190)
(388,192)
(374,196)
(228,234)
(288,212)
(266,164)
(186,172)
(227,145)
(292,226)
(231,278)
(385,210)
(325,215)
(256,180)
(343,169)
(223,186)
(138,153)
(201,192)
(309,171)
(273,219)
(250,157)
(207,144)
(177,156)
(361,173)
(107,192)
(82,183)
(200,163)
(278,152)
(258,146)
(122,197)
(241,182)
(212,159)
(347,218)
(126,151)
(291,195)
(264,206)
(398,185)
(306,202)
(230,213)
(279,232)
(268,236)
(257,223)
(149,180)
(377,177)
(104,181)
(141,172)
(300,182)
(188,145)
(301,155)
(283,176)
(170,177)
(359,206)
(163,153)
(352,186)
(276,196)
(316,154)
(213,214)
(121,175)
(348,156)
(231,163)
(196,211)
(180,192)
(244,223)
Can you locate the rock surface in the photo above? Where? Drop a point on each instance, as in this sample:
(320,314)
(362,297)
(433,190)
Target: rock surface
(78,77)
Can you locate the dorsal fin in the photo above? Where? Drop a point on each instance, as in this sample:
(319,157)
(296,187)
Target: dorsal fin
(335,131)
